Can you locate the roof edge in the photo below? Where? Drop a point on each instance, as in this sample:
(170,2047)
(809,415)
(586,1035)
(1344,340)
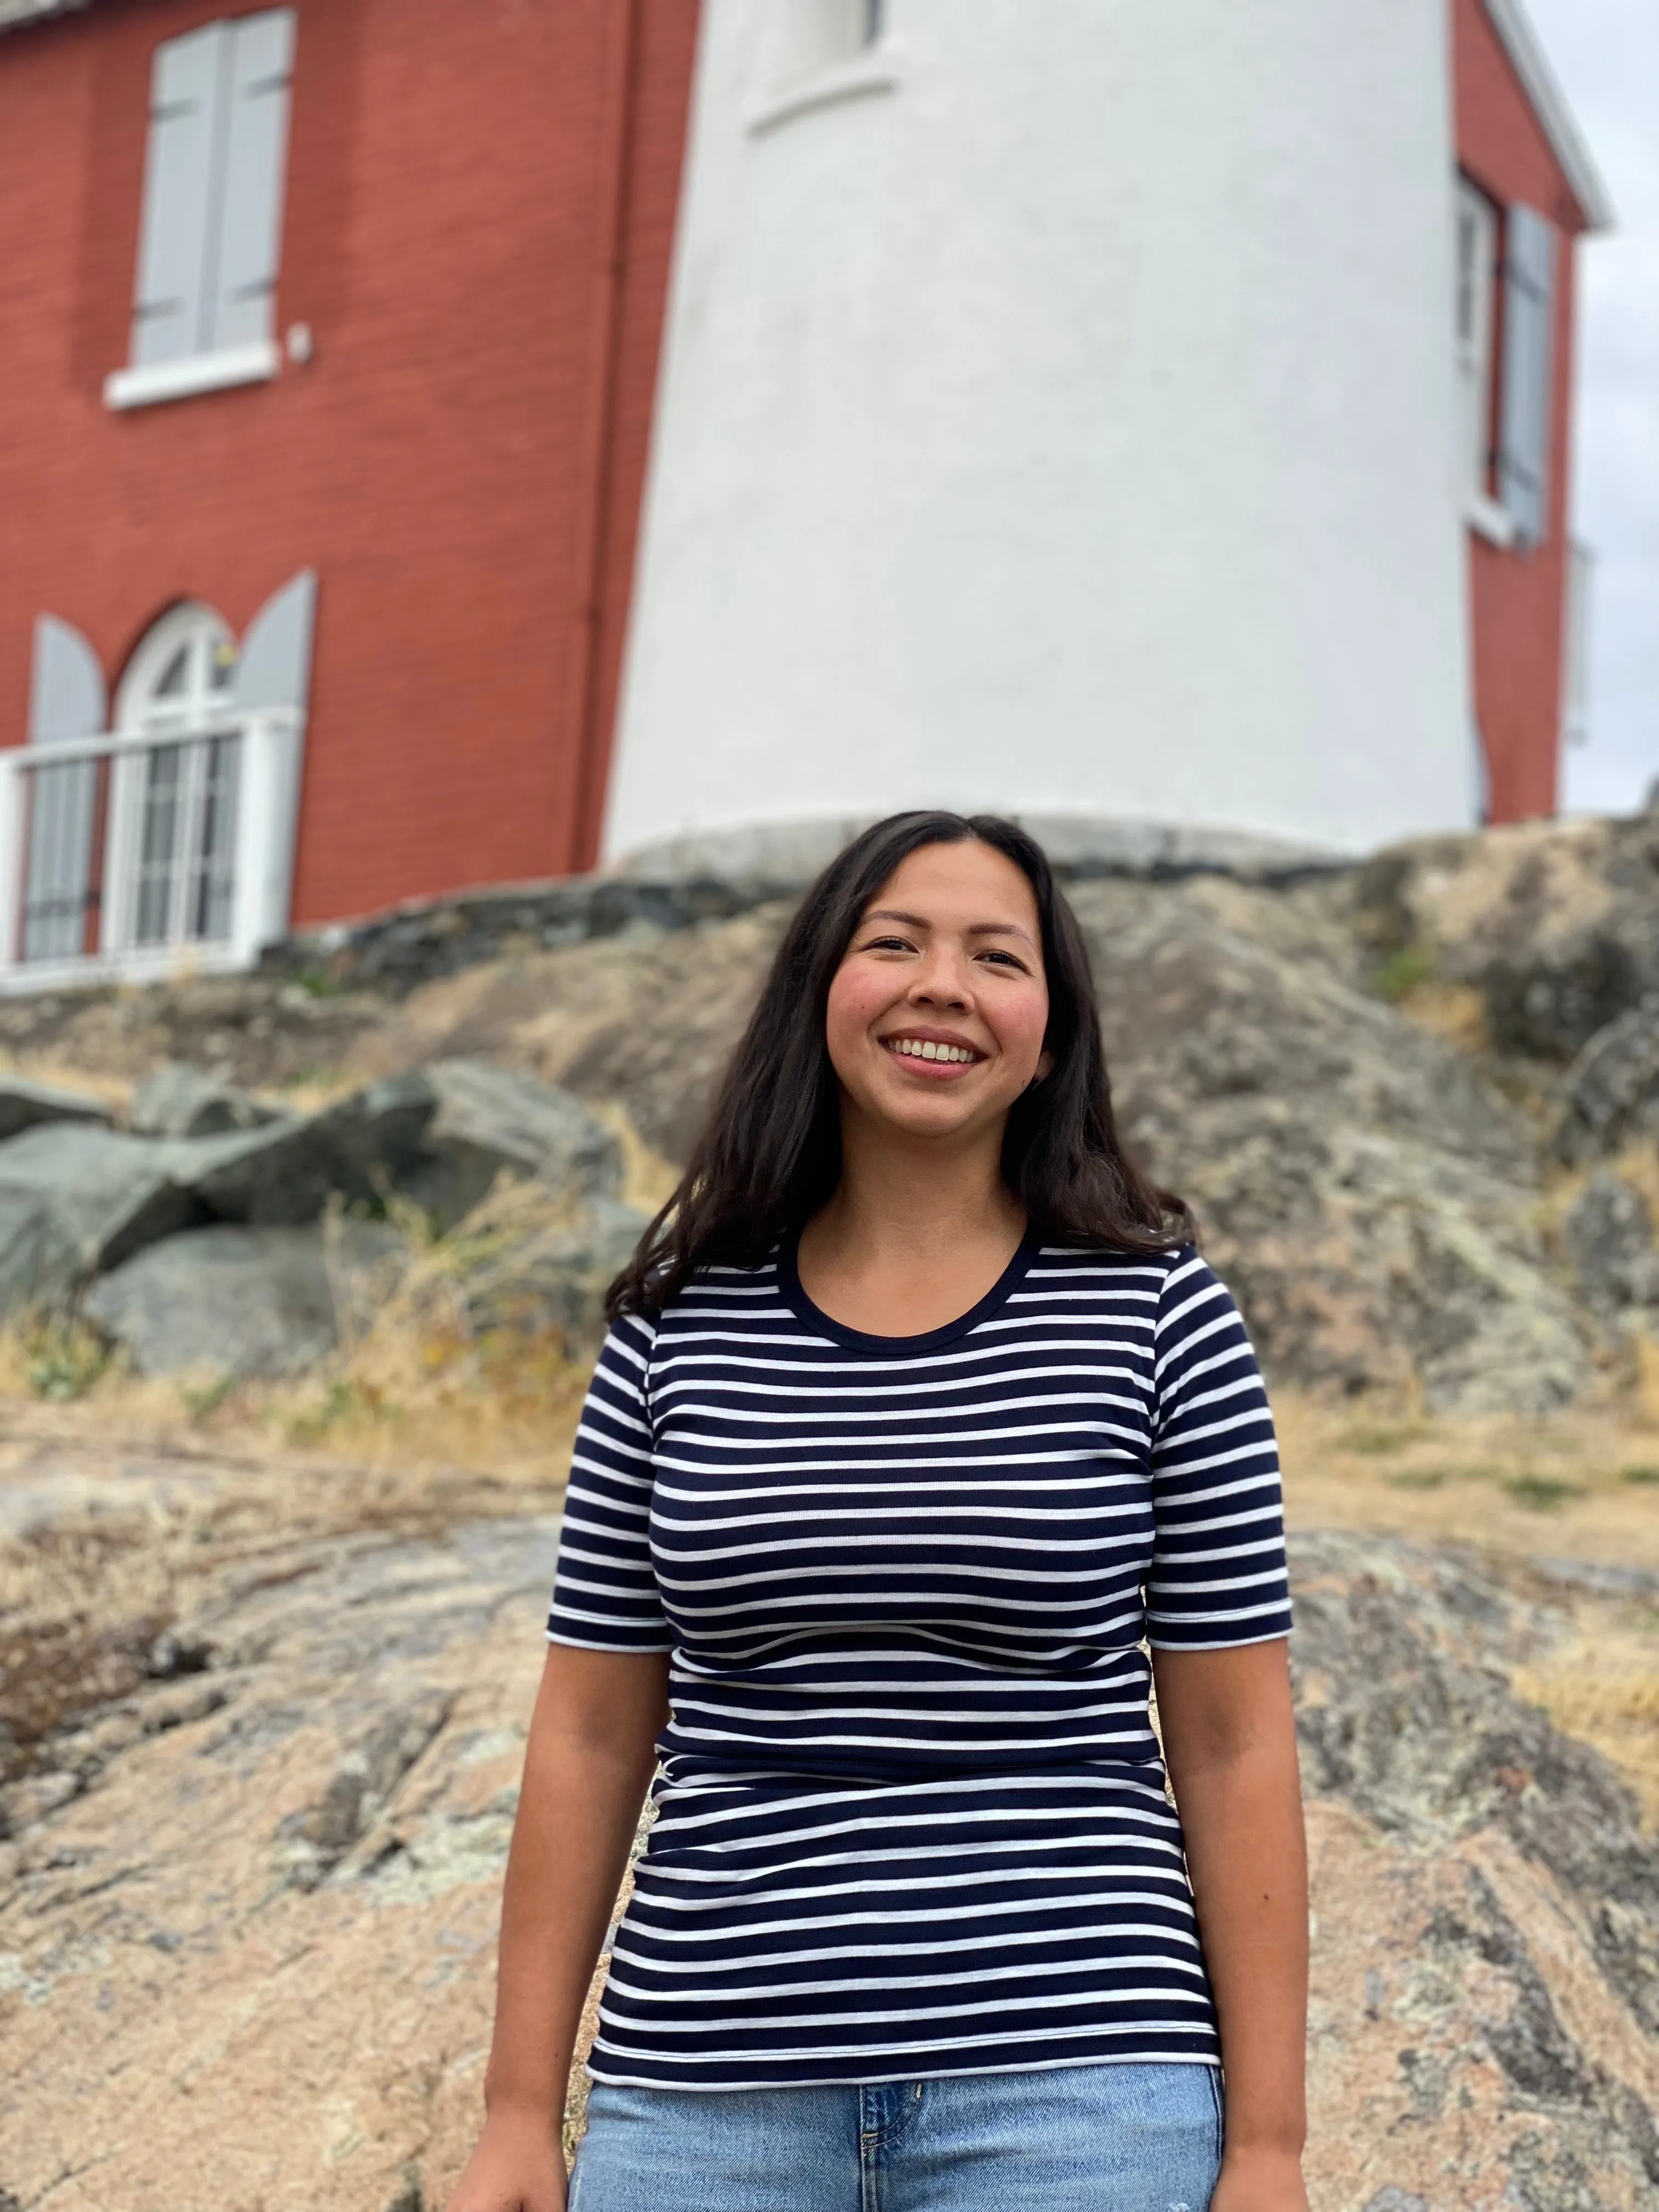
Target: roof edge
(1543,88)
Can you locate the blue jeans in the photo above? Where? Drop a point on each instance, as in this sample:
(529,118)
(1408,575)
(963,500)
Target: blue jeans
(1129,2138)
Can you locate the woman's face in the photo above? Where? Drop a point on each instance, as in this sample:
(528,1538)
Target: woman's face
(937,1012)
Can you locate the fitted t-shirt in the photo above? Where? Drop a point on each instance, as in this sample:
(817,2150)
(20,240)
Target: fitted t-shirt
(911,1815)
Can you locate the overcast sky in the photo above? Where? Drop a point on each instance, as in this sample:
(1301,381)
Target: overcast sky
(1607,55)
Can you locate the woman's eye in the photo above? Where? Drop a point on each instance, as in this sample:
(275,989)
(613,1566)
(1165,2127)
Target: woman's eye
(1004,960)
(889,945)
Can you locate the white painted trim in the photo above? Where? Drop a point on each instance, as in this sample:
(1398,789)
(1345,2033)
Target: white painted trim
(879,68)
(1543,88)
(200,372)
(1491,521)
(158,963)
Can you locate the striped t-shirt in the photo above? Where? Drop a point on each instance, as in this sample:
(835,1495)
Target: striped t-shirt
(911,1815)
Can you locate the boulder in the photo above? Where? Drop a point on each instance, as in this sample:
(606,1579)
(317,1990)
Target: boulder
(235,1302)
(556,1278)
(1365,1193)
(358,1149)
(1613,1088)
(1608,1237)
(25,1105)
(76,1199)
(1555,924)
(488,1123)
(178,1100)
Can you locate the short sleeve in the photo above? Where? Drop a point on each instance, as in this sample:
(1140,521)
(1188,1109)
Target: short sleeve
(604,1595)
(1219,1575)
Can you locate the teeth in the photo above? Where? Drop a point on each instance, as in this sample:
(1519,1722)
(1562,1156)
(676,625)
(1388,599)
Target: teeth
(915,1048)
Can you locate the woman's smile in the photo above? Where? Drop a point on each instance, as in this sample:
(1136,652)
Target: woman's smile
(934,1055)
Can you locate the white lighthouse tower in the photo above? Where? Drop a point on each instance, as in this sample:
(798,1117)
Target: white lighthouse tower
(1058,416)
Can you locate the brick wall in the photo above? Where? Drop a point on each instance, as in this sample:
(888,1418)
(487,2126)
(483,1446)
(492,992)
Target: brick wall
(1519,598)
(479,217)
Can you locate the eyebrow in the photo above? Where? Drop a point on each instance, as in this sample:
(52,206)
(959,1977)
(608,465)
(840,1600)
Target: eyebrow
(974,928)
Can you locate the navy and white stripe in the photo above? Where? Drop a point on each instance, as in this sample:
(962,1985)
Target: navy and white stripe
(911,1814)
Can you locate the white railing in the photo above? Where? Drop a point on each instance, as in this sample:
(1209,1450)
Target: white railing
(136,857)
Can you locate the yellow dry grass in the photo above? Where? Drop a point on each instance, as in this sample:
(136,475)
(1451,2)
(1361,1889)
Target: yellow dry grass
(1582,1483)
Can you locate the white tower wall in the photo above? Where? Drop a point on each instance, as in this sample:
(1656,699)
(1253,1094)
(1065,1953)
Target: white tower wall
(1066,428)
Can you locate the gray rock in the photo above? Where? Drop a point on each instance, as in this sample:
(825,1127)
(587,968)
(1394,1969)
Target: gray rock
(76,1199)
(1608,1237)
(178,1100)
(234,1302)
(556,1280)
(358,1149)
(1555,924)
(1613,1088)
(25,1105)
(1366,1194)
(489,1122)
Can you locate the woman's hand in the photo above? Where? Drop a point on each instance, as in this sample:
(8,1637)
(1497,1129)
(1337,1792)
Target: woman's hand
(1264,2180)
(518,2166)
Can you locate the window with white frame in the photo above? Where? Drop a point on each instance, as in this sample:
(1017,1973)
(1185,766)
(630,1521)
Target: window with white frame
(210,232)
(805,36)
(1477,285)
(174,799)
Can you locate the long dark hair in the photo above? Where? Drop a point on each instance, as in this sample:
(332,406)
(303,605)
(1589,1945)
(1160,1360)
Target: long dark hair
(769,1154)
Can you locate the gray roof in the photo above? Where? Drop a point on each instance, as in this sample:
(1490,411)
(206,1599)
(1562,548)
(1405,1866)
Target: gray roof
(16,12)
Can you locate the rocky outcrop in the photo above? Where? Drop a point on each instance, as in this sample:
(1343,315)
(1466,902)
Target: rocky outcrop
(230,1302)
(25,1105)
(1613,1088)
(178,1100)
(1555,924)
(488,1122)
(77,1198)
(264,1842)
(1607,1234)
(1365,1192)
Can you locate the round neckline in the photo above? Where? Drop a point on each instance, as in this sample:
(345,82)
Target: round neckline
(860,1340)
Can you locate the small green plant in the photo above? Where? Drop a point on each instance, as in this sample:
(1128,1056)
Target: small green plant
(203,1399)
(1541,1493)
(1401,974)
(1379,1436)
(65,1362)
(1646,1475)
(1418,1478)
(318,983)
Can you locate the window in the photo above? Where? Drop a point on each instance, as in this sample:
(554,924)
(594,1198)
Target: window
(1526,412)
(175,802)
(210,233)
(1477,277)
(815,53)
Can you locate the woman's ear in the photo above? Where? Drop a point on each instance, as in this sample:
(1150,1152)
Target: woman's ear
(1044,1066)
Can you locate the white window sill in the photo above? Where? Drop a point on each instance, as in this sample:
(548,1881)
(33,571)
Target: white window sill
(1493,522)
(879,68)
(202,372)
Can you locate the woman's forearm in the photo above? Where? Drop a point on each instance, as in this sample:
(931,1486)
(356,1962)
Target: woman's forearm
(1229,1739)
(1246,1853)
(588,1766)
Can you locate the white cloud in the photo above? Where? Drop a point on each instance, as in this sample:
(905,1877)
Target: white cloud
(1607,54)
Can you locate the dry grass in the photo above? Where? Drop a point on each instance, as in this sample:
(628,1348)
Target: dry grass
(1604,1688)
(1582,1483)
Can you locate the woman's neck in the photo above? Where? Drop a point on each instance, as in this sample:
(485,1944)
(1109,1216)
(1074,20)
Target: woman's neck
(914,1236)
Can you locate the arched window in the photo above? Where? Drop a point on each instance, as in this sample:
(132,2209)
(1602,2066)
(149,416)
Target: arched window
(179,675)
(172,822)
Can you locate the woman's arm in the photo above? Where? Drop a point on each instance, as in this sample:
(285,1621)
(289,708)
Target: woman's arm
(588,1766)
(1229,1743)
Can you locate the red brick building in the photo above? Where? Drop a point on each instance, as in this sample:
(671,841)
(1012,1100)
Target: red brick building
(426,381)
(1527,194)
(329,332)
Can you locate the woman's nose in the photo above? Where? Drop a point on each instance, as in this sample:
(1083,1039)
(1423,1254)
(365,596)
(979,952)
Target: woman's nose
(943,981)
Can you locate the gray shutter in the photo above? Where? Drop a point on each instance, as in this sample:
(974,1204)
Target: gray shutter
(273,668)
(259,70)
(1523,435)
(169,315)
(66,701)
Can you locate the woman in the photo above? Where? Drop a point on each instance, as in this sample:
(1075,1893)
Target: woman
(917,1413)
